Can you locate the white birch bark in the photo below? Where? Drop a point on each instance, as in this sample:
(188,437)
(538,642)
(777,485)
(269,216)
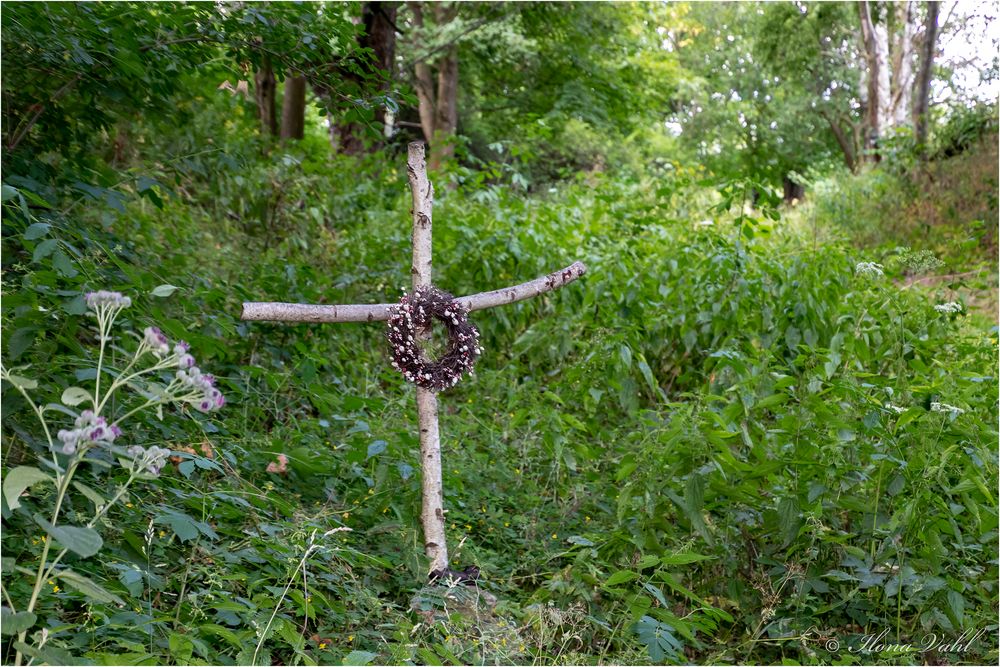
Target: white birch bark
(274,311)
(432,511)
(902,64)
(884,80)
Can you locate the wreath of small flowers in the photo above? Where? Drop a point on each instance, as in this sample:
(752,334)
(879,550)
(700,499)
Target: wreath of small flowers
(414,314)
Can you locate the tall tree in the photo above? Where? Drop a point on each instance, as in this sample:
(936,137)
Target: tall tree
(876,77)
(812,49)
(923,83)
(293,108)
(377,41)
(436,79)
(264,91)
(900,102)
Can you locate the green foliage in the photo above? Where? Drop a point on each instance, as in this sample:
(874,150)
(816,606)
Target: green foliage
(745,432)
(721,439)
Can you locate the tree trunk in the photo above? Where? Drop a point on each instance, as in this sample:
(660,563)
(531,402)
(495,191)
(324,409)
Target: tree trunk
(446,113)
(424,83)
(902,64)
(379,36)
(293,108)
(264,91)
(438,103)
(847,147)
(923,83)
(873,76)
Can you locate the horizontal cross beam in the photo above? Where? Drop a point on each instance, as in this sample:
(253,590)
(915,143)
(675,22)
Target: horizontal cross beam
(379,312)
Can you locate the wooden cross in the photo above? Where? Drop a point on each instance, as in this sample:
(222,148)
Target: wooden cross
(432,512)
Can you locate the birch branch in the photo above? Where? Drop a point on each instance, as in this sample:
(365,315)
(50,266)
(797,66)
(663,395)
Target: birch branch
(379,312)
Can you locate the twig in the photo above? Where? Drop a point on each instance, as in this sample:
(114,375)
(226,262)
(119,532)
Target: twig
(379,312)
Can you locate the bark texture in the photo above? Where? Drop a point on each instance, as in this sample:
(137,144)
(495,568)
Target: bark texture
(379,37)
(432,511)
(873,103)
(902,64)
(293,108)
(923,83)
(379,312)
(264,92)
(437,91)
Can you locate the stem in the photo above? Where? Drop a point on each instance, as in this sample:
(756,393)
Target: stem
(263,634)
(10,603)
(90,524)
(123,379)
(101,325)
(45,427)
(63,486)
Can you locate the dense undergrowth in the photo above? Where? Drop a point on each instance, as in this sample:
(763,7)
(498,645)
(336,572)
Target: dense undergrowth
(732,440)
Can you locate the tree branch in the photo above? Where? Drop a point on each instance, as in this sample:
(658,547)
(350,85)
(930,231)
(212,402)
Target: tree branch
(379,312)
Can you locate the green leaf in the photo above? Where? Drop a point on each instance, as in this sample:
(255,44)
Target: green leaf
(956,608)
(164,290)
(788,516)
(17,343)
(44,249)
(181,647)
(89,587)
(647,374)
(683,558)
(23,383)
(93,496)
(76,396)
(36,231)
(222,632)
(12,624)
(183,526)
(620,577)
(19,479)
(63,264)
(85,542)
(376,448)
(47,655)
(359,658)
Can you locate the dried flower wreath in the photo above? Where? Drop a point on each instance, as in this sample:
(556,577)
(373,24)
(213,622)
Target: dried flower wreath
(414,314)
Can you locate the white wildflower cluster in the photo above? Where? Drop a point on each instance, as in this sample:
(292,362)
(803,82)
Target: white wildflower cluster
(895,408)
(415,313)
(152,459)
(869,270)
(202,392)
(950,307)
(104,299)
(944,407)
(88,428)
(206,397)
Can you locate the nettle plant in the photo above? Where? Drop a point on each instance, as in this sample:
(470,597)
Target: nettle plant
(158,373)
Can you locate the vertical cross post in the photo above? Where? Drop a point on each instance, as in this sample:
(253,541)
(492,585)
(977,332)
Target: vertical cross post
(432,509)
